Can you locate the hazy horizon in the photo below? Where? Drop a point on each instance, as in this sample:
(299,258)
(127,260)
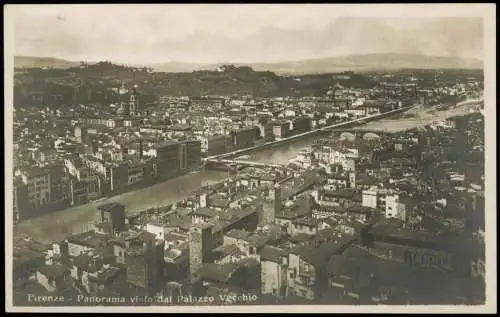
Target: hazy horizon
(238,33)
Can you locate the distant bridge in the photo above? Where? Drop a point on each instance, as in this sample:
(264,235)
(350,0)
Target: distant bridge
(239,163)
(297,137)
(357,130)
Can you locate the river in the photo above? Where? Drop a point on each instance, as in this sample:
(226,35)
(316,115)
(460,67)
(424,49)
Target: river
(57,225)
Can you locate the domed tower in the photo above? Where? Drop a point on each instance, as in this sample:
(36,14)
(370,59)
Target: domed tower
(330,94)
(123,107)
(122,91)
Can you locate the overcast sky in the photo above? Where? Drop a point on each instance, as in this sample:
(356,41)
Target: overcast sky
(222,33)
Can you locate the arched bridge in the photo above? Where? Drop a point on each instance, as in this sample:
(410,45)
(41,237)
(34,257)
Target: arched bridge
(357,133)
(239,163)
(294,138)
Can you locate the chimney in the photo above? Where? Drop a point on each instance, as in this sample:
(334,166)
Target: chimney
(363,235)
(352,179)
(203,200)
(64,248)
(118,216)
(141,148)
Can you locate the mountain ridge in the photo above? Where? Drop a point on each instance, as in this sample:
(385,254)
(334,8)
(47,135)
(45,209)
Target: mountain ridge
(40,62)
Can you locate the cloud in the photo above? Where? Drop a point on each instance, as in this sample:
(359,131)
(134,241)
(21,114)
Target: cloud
(240,33)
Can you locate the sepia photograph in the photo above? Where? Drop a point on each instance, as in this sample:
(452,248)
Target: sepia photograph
(250,158)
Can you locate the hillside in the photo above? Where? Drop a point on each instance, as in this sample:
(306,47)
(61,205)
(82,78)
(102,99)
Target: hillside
(231,79)
(311,66)
(40,62)
(93,83)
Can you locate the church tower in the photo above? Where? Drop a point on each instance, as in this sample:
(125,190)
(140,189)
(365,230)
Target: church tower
(134,102)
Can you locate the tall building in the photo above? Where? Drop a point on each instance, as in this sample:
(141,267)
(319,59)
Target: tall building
(276,130)
(38,182)
(302,124)
(21,202)
(274,271)
(245,137)
(183,155)
(145,266)
(59,185)
(115,214)
(218,144)
(200,246)
(270,207)
(167,155)
(193,153)
(117,176)
(270,215)
(155,252)
(177,157)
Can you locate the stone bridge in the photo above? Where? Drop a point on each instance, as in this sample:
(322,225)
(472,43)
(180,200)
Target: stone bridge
(347,125)
(357,133)
(219,163)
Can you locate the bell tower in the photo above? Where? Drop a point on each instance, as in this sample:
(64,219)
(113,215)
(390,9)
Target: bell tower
(134,102)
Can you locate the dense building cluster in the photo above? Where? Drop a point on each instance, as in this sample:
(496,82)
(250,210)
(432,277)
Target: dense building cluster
(68,153)
(396,219)
(357,218)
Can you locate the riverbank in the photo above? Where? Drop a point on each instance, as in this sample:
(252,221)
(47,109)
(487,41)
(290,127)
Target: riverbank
(46,210)
(421,118)
(258,146)
(59,224)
